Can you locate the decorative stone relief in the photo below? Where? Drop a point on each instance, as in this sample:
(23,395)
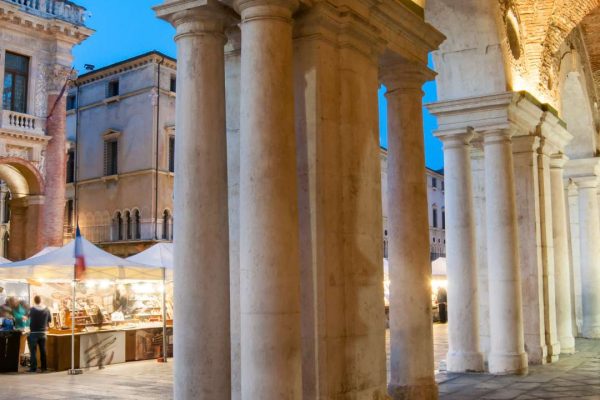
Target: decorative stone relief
(41,93)
(18,151)
(58,75)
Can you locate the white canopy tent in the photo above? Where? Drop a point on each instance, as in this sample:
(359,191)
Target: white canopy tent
(58,265)
(438,268)
(159,255)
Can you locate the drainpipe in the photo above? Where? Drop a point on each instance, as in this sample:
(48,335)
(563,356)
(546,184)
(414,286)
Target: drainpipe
(156,150)
(76,174)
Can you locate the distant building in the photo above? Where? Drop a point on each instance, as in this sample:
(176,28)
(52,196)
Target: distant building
(437,210)
(123,118)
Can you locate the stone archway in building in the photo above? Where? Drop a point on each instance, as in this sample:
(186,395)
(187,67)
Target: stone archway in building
(26,186)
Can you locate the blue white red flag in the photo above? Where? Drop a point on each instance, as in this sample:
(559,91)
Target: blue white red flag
(79,257)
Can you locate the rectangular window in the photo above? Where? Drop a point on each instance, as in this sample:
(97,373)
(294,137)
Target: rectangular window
(16,78)
(70,166)
(171,153)
(435,215)
(434,182)
(113,88)
(71,102)
(443,219)
(443,188)
(173,86)
(111,151)
(70,212)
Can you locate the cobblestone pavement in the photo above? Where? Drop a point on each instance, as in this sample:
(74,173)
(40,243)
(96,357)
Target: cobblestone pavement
(573,377)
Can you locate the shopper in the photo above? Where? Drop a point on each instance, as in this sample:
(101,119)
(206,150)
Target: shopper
(39,319)
(19,312)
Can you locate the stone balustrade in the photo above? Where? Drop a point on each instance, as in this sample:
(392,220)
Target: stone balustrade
(60,9)
(23,123)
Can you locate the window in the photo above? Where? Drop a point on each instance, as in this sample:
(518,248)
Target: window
(166,228)
(6,216)
(136,225)
(443,188)
(435,217)
(71,102)
(118,226)
(16,77)
(171,153)
(70,166)
(443,218)
(128,226)
(434,182)
(173,84)
(70,211)
(111,153)
(113,88)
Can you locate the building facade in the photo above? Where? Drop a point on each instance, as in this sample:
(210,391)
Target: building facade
(435,205)
(36,38)
(121,122)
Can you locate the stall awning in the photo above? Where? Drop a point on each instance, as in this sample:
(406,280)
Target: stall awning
(58,265)
(159,255)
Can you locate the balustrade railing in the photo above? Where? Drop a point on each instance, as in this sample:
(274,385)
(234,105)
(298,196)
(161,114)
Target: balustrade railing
(20,122)
(60,9)
(114,233)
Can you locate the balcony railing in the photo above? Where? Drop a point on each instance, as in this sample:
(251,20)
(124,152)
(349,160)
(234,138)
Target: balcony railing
(112,233)
(23,123)
(61,9)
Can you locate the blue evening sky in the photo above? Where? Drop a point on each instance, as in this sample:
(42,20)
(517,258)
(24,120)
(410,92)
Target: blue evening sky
(128,28)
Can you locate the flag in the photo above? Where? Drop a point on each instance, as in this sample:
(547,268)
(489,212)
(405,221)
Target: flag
(79,257)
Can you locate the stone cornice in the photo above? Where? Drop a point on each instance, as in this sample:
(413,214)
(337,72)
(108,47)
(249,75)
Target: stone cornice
(55,28)
(24,136)
(583,168)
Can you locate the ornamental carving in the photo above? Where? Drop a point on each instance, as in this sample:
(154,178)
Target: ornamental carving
(58,75)
(18,151)
(41,94)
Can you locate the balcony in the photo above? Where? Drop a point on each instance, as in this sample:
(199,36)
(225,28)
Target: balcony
(22,123)
(53,9)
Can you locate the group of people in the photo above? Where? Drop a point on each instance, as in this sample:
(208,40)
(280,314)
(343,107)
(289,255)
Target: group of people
(17,315)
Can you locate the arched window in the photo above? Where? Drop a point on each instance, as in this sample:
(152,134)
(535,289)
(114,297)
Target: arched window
(6,216)
(128,227)
(166,225)
(136,225)
(443,218)
(118,226)
(435,216)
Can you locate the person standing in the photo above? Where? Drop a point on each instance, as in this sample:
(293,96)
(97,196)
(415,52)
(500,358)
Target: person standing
(39,319)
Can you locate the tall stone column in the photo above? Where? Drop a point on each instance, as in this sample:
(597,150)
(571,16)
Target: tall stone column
(589,239)
(507,354)
(56,159)
(463,323)
(271,355)
(201,234)
(562,264)
(411,332)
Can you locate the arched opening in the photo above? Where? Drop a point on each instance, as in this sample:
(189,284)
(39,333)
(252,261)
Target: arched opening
(117,226)
(128,226)
(577,113)
(136,225)
(21,213)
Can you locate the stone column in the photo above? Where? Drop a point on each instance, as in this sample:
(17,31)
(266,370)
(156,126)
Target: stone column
(271,355)
(34,214)
(562,265)
(411,333)
(575,247)
(589,237)
(463,330)
(18,229)
(56,158)
(201,234)
(507,354)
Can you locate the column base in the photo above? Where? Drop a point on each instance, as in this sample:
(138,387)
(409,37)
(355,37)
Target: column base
(464,362)
(413,392)
(590,332)
(553,352)
(507,364)
(567,345)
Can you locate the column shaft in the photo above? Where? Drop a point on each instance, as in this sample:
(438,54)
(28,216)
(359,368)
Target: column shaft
(201,235)
(562,266)
(507,353)
(271,356)
(463,322)
(589,237)
(411,333)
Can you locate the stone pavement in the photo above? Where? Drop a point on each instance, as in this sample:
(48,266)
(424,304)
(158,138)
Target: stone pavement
(573,377)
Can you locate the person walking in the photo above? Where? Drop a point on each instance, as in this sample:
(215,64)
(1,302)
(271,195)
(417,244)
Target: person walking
(39,319)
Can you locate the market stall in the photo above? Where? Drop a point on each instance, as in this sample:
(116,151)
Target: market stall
(116,312)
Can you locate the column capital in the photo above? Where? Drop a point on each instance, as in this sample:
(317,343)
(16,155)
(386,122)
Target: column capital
(496,136)
(558,161)
(526,144)
(456,139)
(234,39)
(266,9)
(197,17)
(401,76)
(585,182)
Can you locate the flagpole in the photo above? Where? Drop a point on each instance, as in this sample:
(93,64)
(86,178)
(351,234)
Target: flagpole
(73,370)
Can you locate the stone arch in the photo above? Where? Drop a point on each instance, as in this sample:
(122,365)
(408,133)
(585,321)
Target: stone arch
(26,185)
